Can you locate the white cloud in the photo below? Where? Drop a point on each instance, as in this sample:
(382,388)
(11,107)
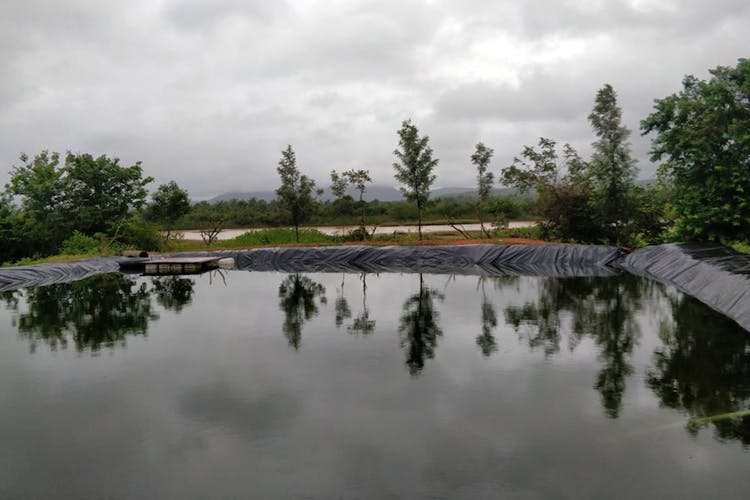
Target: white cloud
(208,93)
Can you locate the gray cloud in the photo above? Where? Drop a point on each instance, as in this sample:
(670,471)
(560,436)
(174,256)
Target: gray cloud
(208,93)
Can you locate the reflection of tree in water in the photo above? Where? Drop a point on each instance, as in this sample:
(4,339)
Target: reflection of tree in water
(95,312)
(341,306)
(298,294)
(601,308)
(704,368)
(419,327)
(362,324)
(173,292)
(486,340)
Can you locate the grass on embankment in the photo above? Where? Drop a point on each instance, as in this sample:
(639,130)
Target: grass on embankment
(311,237)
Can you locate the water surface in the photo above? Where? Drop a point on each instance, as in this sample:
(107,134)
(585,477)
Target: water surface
(271,385)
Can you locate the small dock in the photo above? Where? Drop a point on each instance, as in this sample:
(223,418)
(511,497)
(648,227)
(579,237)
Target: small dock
(169,265)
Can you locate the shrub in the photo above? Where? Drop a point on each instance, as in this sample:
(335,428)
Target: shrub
(80,244)
(141,235)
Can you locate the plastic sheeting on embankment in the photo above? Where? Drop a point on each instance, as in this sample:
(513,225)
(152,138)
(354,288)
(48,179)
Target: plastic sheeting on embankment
(12,278)
(541,260)
(716,275)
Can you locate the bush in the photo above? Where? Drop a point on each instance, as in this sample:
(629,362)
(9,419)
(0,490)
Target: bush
(80,244)
(141,235)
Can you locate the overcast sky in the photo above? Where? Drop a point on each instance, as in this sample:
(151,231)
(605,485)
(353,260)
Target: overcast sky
(208,92)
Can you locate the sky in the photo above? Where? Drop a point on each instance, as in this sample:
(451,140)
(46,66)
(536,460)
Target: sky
(208,93)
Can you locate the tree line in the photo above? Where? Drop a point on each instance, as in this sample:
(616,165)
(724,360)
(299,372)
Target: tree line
(55,202)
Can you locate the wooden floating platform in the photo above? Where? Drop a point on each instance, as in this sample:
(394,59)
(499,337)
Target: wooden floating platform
(169,265)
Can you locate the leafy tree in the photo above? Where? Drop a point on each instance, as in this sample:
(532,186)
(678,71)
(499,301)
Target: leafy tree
(99,194)
(296,191)
(611,168)
(38,183)
(414,167)
(169,203)
(702,131)
(481,159)
(87,194)
(338,184)
(15,241)
(562,198)
(359,180)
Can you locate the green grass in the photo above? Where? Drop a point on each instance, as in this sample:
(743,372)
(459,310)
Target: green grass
(279,236)
(740,246)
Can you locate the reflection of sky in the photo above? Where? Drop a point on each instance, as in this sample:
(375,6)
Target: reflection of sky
(213,402)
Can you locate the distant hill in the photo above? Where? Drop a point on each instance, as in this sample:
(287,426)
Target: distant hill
(382,193)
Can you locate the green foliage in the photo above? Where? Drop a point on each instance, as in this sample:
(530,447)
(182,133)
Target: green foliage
(338,184)
(296,191)
(563,200)
(357,178)
(16,242)
(704,133)
(740,246)
(481,160)
(281,236)
(142,235)
(168,204)
(80,244)
(611,170)
(99,193)
(414,167)
(86,194)
(236,213)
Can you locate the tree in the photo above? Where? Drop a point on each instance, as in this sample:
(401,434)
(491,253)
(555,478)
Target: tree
(481,159)
(38,183)
(611,168)
(99,194)
(414,168)
(338,185)
(296,191)
(703,133)
(357,178)
(169,203)
(15,240)
(562,198)
(87,194)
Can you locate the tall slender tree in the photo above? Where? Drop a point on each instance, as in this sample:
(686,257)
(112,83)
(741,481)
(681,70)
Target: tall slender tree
(481,159)
(296,191)
(414,167)
(612,168)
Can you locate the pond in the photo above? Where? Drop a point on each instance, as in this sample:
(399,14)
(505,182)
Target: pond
(275,385)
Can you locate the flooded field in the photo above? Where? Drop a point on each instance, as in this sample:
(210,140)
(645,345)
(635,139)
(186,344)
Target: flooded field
(275,385)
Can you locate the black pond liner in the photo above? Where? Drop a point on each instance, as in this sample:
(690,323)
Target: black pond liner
(715,275)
